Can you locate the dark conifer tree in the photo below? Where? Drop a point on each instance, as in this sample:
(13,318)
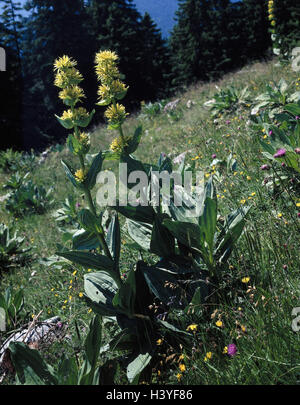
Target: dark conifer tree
(287,17)
(11,79)
(118,26)
(53,28)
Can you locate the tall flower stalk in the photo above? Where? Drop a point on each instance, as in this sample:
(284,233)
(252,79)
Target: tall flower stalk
(68,78)
(111,90)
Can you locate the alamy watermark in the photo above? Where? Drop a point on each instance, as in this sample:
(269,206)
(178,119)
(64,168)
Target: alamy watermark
(296,320)
(136,188)
(2,320)
(296,59)
(2,60)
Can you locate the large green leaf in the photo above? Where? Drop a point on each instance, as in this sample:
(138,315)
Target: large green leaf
(162,241)
(140,233)
(187,233)
(95,168)
(232,230)
(139,213)
(89,221)
(125,297)
(100,290)
(89,260)
(84,240)
(135,368)
(113,239)
(207,224)
(293,108)
(134,141)
(30,367)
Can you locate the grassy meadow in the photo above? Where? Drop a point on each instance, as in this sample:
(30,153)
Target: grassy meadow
(261,285)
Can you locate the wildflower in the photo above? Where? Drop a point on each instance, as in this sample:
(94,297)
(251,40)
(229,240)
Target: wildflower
(243,328)
(63,63)
(106,66)
(225,350)
(248,178)
(70,77)
(179,376)
(181,357)
(243,201)
(285,267)
(80,295)
(80,175)
(265,167)
(298,204)
(231,350)
(245,280)
(116,114)
(182,367)
(297,150)
(219,324)
(159,342)
(71,95)
(118,144)
(193,327)
(213,155)
(208,356)
(279,215)
(280,153)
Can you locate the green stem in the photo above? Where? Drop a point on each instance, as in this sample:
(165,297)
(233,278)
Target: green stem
(91,206)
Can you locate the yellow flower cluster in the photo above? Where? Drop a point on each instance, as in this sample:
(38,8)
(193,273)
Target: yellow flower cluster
(67,78)
(118,144)
(80,175)
(111,88)
(75,115)
(116,114)
(71,94)
(84,139)
(271,12)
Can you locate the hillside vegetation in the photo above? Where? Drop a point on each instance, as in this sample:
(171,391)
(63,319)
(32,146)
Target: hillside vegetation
(246,335)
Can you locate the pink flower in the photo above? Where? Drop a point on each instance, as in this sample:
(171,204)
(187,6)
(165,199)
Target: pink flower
(265,167)
(213,155)
(297,150)
(280,153)
(231,350)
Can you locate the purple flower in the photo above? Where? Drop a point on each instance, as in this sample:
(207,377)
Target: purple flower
(297,117)
(213,155)
(228,122)
(231,350)
(270,133)
(283,164)
(78,205)
(280,153)
(265,167)
(297,150)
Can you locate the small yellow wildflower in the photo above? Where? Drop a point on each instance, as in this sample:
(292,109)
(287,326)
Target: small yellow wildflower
(116,114)
(159,342)
(243,201)
(225,350)
(179,376)
(80,295)
(71,95)
(74,273)
(118,144)
(80,175)
(245,280)
(70,77)
(209,355)
(193,327)
(182,368)
(279,215)
(65,62)
(219,324)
